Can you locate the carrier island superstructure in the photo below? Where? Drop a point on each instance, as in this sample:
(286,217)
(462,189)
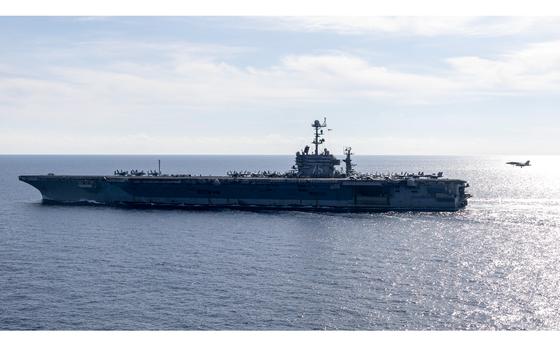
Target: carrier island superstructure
(313,184)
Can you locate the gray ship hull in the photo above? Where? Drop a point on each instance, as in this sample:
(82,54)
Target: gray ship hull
(307,194)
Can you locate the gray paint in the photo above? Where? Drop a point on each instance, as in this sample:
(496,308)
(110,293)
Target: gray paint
(259,193)
(315,184)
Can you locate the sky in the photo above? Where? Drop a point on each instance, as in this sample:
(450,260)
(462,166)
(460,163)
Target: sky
(254,85)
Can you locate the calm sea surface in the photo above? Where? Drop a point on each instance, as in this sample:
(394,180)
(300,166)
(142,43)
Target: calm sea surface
(494,265)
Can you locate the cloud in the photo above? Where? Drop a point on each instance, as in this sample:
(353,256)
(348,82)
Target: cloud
(186,76)
(535,68)
(191,76)
(104,88)
(415,25)
(201,77)
(348,76)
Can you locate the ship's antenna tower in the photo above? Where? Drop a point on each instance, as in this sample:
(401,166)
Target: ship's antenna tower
(348,161)
(318,133)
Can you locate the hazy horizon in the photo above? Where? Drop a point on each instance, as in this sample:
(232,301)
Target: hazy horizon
(336,154)
(253,85)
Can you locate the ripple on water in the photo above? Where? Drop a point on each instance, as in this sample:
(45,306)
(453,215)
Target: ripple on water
(495,265)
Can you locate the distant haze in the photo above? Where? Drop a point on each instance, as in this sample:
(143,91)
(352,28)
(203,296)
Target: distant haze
(232,85)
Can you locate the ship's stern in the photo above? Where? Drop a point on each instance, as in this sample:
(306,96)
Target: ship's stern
(463,196)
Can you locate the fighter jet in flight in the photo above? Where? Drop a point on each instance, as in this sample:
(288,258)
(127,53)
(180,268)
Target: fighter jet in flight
(519,164)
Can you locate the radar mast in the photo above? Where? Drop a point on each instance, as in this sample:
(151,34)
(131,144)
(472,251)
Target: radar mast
(348,161)
(318,133)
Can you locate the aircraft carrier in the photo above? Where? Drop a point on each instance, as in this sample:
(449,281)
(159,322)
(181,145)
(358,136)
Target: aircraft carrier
(313,184)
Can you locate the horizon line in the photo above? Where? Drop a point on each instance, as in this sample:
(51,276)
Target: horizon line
(246,154)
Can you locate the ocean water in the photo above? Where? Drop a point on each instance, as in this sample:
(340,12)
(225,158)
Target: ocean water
(494,265)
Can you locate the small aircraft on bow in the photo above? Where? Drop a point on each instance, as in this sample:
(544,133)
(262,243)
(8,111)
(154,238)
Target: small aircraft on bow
(519,164)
